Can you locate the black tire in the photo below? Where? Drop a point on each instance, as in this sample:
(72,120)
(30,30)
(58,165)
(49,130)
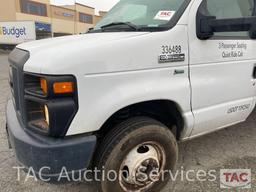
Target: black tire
(125,137)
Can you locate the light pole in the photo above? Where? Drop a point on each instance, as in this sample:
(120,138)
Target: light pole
(51,20)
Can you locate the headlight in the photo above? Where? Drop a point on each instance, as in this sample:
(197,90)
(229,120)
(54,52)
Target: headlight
(46,115)
(36,115)
(51,103)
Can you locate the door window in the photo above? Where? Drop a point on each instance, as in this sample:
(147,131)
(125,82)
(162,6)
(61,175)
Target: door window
(228,9)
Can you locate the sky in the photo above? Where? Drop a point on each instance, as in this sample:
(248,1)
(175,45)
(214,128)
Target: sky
(100,5)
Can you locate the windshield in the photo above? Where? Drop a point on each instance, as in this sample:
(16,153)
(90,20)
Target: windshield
(140,13)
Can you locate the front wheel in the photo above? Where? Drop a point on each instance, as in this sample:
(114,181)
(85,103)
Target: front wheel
(136,156)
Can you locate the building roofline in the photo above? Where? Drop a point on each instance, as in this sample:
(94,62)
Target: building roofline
(85,6)
(62,7)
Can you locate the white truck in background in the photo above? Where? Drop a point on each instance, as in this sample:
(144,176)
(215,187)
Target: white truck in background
(14,33)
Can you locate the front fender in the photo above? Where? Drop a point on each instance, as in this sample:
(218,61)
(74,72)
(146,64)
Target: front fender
(101,95)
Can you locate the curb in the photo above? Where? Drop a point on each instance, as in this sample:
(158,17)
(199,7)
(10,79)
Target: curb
(4,52)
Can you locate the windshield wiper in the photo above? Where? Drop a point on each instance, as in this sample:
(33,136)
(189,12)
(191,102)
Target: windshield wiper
(129,24)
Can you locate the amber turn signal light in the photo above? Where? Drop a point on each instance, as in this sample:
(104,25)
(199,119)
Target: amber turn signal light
(43,84)
(63,87)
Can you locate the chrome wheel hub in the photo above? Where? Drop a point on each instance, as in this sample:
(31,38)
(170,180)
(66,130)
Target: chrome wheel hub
(142,166)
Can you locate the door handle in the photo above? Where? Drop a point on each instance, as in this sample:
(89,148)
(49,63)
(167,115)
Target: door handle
(254,72)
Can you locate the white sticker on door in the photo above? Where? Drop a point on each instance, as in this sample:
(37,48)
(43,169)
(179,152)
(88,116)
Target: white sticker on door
(164,15)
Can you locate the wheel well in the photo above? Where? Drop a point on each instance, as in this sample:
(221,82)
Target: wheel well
(164,111)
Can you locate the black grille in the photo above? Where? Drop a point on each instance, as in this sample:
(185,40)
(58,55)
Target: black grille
(15,87)
(17,59)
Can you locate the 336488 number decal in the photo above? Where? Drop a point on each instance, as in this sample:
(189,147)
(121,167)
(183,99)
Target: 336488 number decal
(169,49)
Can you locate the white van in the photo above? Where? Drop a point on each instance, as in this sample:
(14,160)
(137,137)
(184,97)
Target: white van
(119,98)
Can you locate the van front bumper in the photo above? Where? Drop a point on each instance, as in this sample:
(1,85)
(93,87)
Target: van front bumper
(48,157)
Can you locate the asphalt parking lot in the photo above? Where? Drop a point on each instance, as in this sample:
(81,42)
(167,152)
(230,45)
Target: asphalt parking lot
(231,148)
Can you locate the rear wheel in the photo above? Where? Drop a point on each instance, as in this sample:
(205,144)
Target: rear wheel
(135,154)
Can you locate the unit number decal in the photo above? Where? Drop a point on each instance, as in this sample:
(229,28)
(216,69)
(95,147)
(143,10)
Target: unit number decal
(171,49)
(171,53)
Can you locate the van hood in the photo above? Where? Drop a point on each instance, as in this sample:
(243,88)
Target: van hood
(94,53)
(89,53)
(89,39)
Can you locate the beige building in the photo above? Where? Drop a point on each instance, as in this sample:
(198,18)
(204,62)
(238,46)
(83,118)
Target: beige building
(97,18)
(50,19)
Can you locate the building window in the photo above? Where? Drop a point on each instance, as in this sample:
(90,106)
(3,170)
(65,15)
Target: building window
(85,18)
(33,8)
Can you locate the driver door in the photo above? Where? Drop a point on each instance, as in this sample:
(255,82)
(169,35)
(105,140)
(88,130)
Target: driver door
(221,68)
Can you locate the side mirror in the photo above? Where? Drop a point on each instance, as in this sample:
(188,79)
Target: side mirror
(208,25)
(252,32)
